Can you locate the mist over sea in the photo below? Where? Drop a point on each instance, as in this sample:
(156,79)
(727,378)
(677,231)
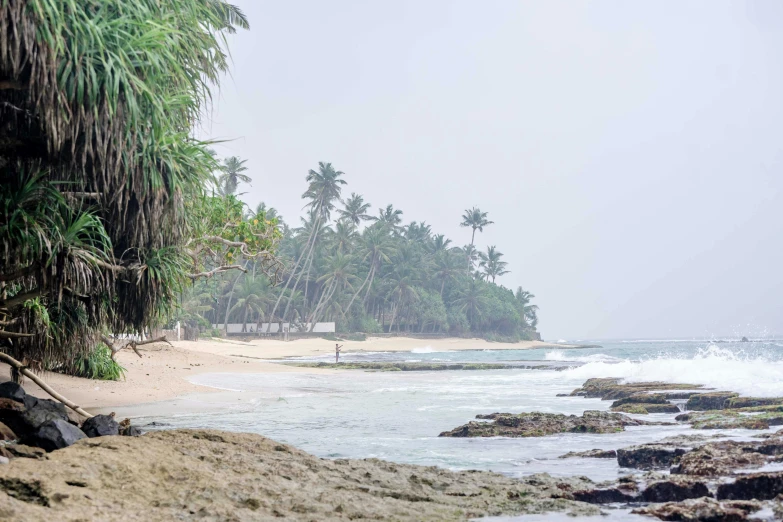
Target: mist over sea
(398,415)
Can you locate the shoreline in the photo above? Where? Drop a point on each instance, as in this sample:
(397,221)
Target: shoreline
(162,373)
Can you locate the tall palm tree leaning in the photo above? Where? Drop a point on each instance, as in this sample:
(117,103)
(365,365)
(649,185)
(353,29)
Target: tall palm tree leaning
(476,219)
(323,190)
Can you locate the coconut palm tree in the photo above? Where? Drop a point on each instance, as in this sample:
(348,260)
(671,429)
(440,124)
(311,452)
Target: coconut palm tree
(232,175)
(476,219)
(491,263)
(473,300)
(355,210)
(377,247)
(324,188)
(389,217)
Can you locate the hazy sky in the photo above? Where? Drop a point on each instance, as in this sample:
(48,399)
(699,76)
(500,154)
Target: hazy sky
(630,153)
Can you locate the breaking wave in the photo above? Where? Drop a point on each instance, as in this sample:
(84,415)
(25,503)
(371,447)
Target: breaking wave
(713,367)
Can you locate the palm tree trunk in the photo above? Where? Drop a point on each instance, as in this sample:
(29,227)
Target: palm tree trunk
(315,316)
(288,281)
(309,259)
(230,297)
(325,291)
(348,309)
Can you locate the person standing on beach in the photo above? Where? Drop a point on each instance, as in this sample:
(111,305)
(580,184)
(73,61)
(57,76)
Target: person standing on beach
(337,352)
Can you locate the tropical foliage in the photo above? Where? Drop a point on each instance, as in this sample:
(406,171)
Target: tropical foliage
(368,272)
(99,169)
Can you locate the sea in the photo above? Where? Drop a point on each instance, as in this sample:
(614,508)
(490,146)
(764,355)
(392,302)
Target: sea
(397,416)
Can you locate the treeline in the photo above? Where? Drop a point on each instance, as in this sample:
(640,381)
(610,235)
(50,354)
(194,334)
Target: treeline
(366,271)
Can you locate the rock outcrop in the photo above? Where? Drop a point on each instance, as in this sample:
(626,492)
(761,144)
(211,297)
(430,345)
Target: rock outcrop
(541,424)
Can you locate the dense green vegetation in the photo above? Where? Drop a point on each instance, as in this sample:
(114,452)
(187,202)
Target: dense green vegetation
(104,216)
(366,271)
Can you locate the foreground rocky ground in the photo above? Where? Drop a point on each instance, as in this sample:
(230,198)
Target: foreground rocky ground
(219,476)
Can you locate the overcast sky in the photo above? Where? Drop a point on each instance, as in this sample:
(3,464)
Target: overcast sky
(628,152)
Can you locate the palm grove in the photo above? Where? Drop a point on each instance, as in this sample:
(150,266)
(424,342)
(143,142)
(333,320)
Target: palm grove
(367,271)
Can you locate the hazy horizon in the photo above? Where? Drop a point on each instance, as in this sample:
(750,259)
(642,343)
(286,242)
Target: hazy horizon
(626,151)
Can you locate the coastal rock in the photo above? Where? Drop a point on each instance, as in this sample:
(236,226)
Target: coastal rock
(649,456)
(538,424)
(700,510)
(612,389)
(674,490)
(55,434)
(723,458)
(730,419)
(644,409)
(756,486)
(605,495)
(101,426)
(212,475)
(709,401)
(590,454)
(13,391)
(751,402)
(127,430)
(7,433)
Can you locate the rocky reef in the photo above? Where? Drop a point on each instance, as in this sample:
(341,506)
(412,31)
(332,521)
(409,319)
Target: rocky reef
(541,424)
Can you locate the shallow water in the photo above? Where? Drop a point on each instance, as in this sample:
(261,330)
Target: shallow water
(398,415)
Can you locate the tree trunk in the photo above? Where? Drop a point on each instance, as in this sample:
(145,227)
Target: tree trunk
(230,297)
(288,281)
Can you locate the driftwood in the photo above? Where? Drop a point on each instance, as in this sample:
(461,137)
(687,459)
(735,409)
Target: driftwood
(133,344)
(21,368)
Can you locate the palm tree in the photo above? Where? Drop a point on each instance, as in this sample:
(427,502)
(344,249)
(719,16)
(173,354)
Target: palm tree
(269,213)
(378,248)
(324,188)
(440,243)
(355,210)
(473,300)
(471,256)
(446,268)
(528,312)
(491,263)
(339,277)
(476,219)
(390,217)
(343,237)
(232,169)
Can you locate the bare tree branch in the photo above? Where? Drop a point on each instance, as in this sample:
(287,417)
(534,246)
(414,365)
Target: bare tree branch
(14,335)
(45,387)
(218,270)
(132,344)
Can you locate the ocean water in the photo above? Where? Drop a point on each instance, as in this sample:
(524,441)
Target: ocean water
(398,415)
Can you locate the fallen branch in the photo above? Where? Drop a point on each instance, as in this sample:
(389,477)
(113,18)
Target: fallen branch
(21,368)
(133,344)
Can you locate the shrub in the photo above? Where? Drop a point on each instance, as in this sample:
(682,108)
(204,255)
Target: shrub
(98,364)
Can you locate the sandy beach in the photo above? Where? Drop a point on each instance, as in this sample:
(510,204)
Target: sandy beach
(162,372)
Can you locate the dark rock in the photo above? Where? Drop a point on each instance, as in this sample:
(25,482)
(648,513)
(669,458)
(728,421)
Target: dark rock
(604,496)
(709,401)
(674,491)
(700,510)
(538,424)
(43,411)
(590,454)
(12,390)
(7,433)
(649,456)
(130,431)
(55,434)
(101,426)
(756,486)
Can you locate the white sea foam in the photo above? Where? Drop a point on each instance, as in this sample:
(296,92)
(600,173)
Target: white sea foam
(560,355)
(713,366)
(425,349)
